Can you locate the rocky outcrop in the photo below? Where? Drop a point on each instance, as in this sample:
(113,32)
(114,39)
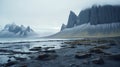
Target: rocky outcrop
(63,27)
(72,20)
(83,17)
(99,15)
(105,14)
(46,56)
(95,15)
(81,55)
(98,61)
(97,21)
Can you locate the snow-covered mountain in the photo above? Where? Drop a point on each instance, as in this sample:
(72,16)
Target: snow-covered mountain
(13,30)
(97,21)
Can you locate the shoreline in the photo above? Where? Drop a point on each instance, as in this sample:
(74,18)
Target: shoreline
(76,53)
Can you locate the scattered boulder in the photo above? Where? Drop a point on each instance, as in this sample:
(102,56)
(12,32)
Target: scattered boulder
(96,50)
(50,51)
(46,56)
(71,46)
(20,58)
(35,49)
(98,61)
(47,48)
(9,60)
(10,63)
(63,46)
(81,55)
(103,47)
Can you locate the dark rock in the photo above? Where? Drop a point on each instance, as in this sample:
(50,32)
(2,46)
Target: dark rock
(98,61)
(71,46)
(63,45)
(9,60)
(83,17)
(50,51)
(46,48)
(46,56)
(20,58)
(17,52)
(99,15)
(10,63)
(115,57)
(81,55)
(96,50)
(73,43)
(35,49)
(103,47)
(63,27)
(72,20)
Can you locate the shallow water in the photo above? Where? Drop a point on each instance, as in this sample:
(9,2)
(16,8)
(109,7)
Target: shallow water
(23,45)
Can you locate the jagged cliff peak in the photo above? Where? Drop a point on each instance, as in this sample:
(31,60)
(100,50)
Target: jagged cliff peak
(63,27)
(71,20)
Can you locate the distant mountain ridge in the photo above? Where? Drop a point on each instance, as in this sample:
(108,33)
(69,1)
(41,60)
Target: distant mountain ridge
(97,21)
(13,30)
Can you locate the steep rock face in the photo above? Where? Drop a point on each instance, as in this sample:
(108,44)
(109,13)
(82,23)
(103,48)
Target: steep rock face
(72,20)
(97,21)
(99,15)
(63,27)
(83,17)
(13,30)
(108,14)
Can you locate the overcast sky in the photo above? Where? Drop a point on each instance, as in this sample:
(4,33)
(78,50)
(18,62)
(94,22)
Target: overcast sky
(43,15)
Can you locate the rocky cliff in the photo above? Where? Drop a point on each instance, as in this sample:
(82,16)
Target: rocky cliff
(95,15)
(94,21)
(71,20)
(63,27)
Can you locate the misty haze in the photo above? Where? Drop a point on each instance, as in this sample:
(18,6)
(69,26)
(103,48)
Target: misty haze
(59,33)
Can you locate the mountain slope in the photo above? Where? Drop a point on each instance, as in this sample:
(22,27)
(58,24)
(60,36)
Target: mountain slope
(88,30)
(97,21)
